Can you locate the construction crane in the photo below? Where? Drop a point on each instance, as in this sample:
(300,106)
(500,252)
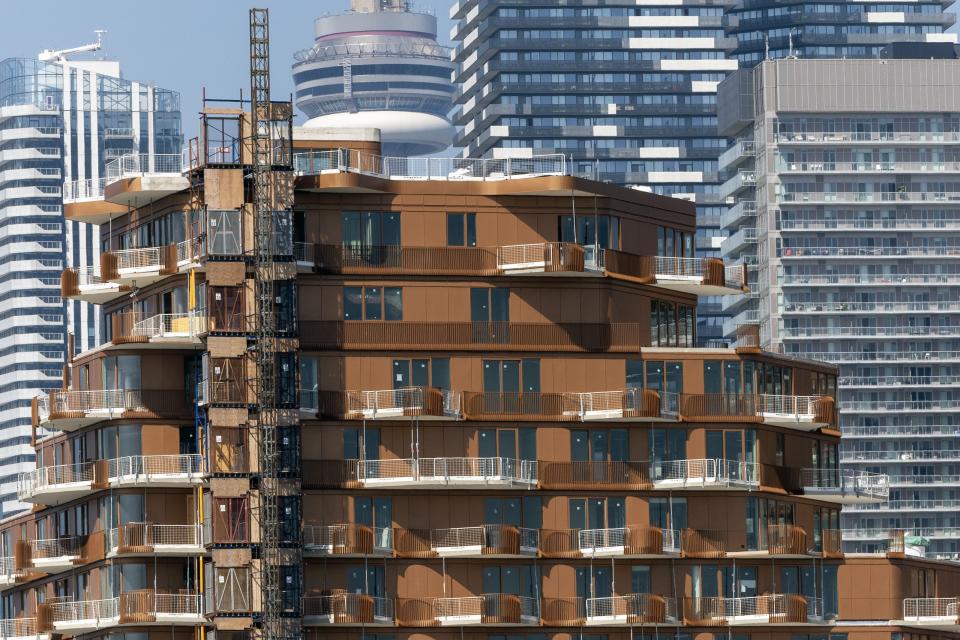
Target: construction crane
(60,55)
(274,345)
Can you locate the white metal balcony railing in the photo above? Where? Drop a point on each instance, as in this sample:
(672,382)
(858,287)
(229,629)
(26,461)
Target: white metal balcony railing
(888,406)
(99,613)
(793,407)
(479,537)
(170,325)
(765,608)
(349,606)
(91,189)
(866,167)
(871,332)
(135,164)
(447,470)
(737,152)
(704,472)
(848,482)
(189,252)
(899,381)
(931,609)
(55,549)
(878,356)
(871,307)
(884,534)
(899,456)
(385,403)
(884,137)
(150,534)
(797,279)
(801,197)
(909,505)
(45,478)
(398,168)
(903,223)
(736,212)
(88,276)
(143,258)
(650,608)
(498,606)
(328,538)
(155,467)
(104,401)
(11,628)
(868,252)
(594,541)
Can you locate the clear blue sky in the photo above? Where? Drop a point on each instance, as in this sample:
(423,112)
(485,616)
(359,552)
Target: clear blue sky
(184,45)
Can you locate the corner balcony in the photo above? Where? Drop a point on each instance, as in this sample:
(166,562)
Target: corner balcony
(56,485)
(935,614)
(780,541)
(135,608)
(630,609)
(135,179)
(623,406)
(802,413)
(489,609)
(21,629)
(432,473)
(175,470)
(52,555)
(629,542)
(845,486)
(775,609)
(68,410)
(139,267)
(487,541)
(738,213)
(150,538)
(348,610)
(741,150)
(704,474)
(347,540)
(557,258)
(736,242)
(700,276)
(87,285)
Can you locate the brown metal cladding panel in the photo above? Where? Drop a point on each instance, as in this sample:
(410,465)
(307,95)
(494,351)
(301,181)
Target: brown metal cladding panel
(223,188)
(869,590)
(160,439)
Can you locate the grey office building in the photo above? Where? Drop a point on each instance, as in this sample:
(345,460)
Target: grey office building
(847,176)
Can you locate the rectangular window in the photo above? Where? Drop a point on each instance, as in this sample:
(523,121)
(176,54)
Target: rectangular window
(373,303)
(640,579)
(461,229)
(352,303)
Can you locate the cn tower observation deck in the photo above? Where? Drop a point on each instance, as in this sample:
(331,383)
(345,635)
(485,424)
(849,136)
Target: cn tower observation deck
(379,66)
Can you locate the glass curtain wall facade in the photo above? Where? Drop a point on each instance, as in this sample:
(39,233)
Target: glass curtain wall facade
(854,223)
(628,92)
(60,125)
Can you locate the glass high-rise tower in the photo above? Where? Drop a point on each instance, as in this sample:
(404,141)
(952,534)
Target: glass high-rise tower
(61,123)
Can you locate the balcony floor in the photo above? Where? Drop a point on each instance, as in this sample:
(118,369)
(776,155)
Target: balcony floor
(59,493)
(624,552)
(796,421)
(478,621)
(330,620)
(55,565)
(168,480)
(693,285)
(836,496)
(99,293)
(624,620)
(453,482)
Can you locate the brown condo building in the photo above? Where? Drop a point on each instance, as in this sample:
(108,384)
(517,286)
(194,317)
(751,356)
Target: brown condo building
(494,425)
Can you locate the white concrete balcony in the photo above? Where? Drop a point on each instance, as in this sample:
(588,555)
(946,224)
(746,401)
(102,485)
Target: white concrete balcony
(738,241)
(623,405)
(347,540)
(68,410)
(866,168)
(140,178)
(89,190)
(150,538)
(348,610)
(631,609)
(738,213)
(701,474)
(139,267)
(936,614)
(169,330)
(10,575)
(739,182)
(55,555)
(487,541)
(422,403)
(32,153)
(558,258)
(700,276)
(135,608)
(845,486)
(56,485)
(87,285)
(629,542)
(431,473)
(884,138)
(21,629)
(772,609)
(736,154)
(804,413)
(28,133)
(175,470)
(866,197)
(492,609)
